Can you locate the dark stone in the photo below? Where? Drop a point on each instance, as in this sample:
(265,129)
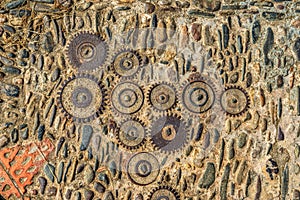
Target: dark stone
(14,135)
(272,16)
(285,182)
(55,74)
(255,31)
(88,194)
(68,194)
(268,44)
(11,90)
(208,177)
(15,4)
(87,132)
(41,132)
(20,13)
(225,36)
(109,196)
(50,171)
(242,139)
(99,187)
(296,48)
(9,28)
(280,134)
(224,183)
(24,53)
(43,183)
(149,8)
(196,31)
(48,43)
(52,191)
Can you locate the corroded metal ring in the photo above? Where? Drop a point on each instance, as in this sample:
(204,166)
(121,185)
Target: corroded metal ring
(82,97)
(169,133)
(143,168)
(131,134)
(87,51)
(235,101)
(127,98)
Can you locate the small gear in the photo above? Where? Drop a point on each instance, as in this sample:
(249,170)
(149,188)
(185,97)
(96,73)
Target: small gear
(169,133)
(131,134)
(82,97)
(162,96)
(143,168)
(164,192)
(198,94)
(235,101)
(127,97)
(86,51)
(126,63)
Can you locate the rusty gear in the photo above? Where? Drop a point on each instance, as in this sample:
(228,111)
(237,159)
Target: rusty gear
(126,63)
(198,94)
(143,168)
(82,97)
(127,97)
(235,101)
(164,192)
(131,134)
(169,133)
(162,96)
(86,51)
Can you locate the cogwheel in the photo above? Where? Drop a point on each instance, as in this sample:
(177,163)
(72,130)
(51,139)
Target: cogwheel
(235,101)
(164,192)
(169,133)
(82,97)
(126,63)
(143,168)
(86,51)
(162,96)
(131,134)
(198,94)
(127,97)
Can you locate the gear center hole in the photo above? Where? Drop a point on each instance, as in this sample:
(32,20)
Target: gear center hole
(234,100)
(168,132)
(200,97)
(127,64)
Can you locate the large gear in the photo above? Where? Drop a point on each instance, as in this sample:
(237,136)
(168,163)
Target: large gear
(82,97)
(126,63)
(86,51)
(169,133)
(164,193)
(131,134)
(127,97)
(143,168)
(198,95)
(162,96)
(235,101)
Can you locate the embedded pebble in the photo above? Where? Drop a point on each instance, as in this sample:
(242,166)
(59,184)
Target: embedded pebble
(89,174)
(208,177)
(99,187)
(87,132)
(3,141)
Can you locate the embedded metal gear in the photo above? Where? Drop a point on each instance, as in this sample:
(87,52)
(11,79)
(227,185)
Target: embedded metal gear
(162,96)
(131,134)
(143,168)
(235,101)
(127,97)
(198,94)
(82,97)
(126,63)
(164,192)
(86,51)
(169,133)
